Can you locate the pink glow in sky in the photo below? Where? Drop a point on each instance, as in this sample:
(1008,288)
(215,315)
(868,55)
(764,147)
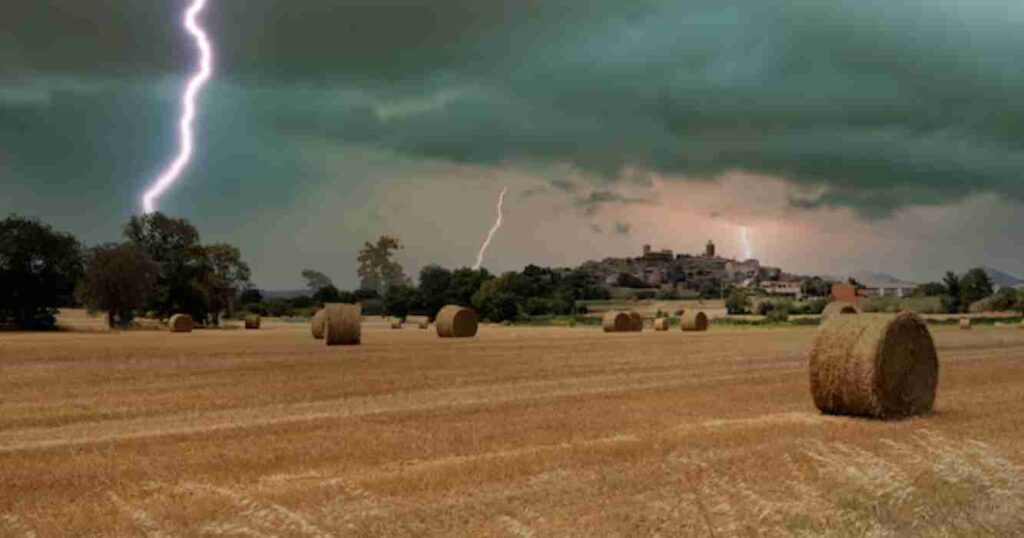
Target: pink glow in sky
(188,101)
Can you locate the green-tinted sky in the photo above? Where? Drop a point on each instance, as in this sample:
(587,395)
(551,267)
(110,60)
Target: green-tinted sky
(866,134)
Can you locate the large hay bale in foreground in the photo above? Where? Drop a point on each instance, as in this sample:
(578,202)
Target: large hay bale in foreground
(181,323)
(396,323)
(874,366)
(316,325)
(636,321)
(455,321)
(965,324)
(838,308)
(343,324)
(616,322)
(694,320)
(661,324)
(253,321)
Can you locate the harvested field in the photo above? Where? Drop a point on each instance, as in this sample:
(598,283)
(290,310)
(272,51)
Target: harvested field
(517,432)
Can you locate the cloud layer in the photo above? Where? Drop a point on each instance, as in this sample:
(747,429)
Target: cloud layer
(870,106)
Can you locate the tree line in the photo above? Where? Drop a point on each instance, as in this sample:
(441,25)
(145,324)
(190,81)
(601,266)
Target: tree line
(160,268)
(386,290)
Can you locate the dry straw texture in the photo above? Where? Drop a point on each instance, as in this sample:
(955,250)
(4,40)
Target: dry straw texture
(316,325)
(965,323)
(838,308)
(694,321)
(616,322)
(874,366)
(343,324)
(181,323)
(636,321)
(396,324)
(252,321)
(455,321)
(661,324)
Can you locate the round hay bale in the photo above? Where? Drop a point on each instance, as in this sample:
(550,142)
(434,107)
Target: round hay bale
(694,320)
(396,324)
(316,325)
(965,324)
(252,321)
(661,324)
(455,321)
(874,366)
(424,325)
(616,322)
(181,323)
(838,308)
(636,321)
(343,324)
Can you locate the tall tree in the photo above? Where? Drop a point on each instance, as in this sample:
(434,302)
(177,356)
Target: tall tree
(377,269)
(38,271)
(173,243)
(226,274)
(975,286)
(119,279)
(315,280)
(435,285)
(953,299)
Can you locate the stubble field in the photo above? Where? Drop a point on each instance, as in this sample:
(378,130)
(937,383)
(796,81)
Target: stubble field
(518,432)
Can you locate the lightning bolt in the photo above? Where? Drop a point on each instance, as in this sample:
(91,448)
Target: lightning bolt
(746,243)
(188,103)
(490,235)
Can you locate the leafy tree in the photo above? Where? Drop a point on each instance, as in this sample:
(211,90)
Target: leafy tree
(464,284)
(249,296)
(377,270)
(316,281)
(226,274)
(952,300)
(173,243)
(1005,300)
(736,303)
(931,289)
(38,271)
(327,294)
(435,283)
(975,286)
(400,300)
(816,287)
(119,279)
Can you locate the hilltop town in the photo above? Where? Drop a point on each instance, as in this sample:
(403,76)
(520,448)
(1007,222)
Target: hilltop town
(709,274)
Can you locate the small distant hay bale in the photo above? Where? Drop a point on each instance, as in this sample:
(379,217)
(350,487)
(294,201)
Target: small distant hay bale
(616,322)
(181,323)
(693,320)
(661,324)
(874,366)
(965,324)
(424,325)
(838,308)
(1021,324)
(455,321)
(253,321)
(396,323)
(636,321)
(343,324)
(316,325)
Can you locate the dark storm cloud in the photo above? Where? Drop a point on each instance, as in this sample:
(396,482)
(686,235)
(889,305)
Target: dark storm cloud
(878,104)
(593,202)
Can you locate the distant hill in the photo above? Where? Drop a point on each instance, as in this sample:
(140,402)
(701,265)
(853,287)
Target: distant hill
(867,277)
(1001,279)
